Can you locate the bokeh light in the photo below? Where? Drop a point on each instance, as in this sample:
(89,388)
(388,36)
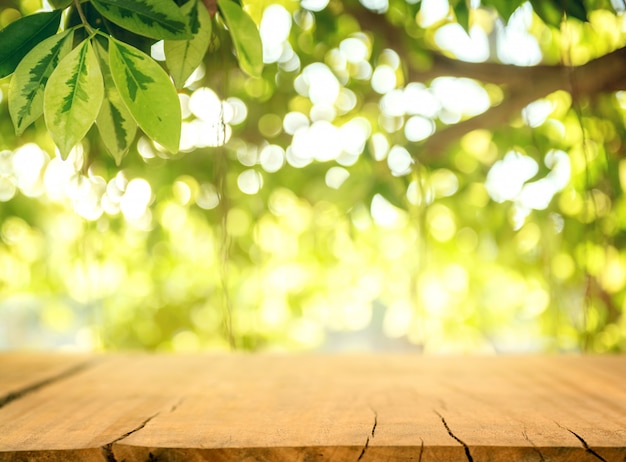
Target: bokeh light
(307,209)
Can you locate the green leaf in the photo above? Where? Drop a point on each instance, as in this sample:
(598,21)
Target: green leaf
(245,35)
(157,19)
(183,56)
(148,93)
(60,4)
(29,80)
(462,13)
(21,36)
(505,8)
(115,123)
(549,13)
(575,9)
(73,96)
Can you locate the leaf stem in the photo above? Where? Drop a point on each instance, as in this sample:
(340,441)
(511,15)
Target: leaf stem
(83,18)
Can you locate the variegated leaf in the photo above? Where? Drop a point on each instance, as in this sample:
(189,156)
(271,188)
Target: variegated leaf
(148,93)
(245,35)
(158,19)
(73,96)
(115,123)
(30,78)
(183,56)
(21,36)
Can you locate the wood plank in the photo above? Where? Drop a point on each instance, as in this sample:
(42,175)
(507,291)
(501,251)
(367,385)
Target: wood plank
(22,372)
(92,409)
(309,408)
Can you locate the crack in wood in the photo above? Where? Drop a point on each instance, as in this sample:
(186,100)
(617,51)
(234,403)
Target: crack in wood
(419,458)
(373,433)
(176,404)
(456,438)
(107,449)
(585,445)
(107,452)
(18,394)
(364,450)
(534,446)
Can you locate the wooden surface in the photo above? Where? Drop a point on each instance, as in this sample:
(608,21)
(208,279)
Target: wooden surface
(142,408)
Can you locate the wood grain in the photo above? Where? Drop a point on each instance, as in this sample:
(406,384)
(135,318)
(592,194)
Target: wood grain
(140,408)
(23,372)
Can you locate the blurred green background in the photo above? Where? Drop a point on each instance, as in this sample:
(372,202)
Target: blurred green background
(307,210)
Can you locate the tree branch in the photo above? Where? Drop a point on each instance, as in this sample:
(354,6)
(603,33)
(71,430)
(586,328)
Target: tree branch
(487,72)
(523,85)
(607,73)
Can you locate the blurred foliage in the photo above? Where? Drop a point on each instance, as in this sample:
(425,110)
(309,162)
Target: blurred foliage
(304,208)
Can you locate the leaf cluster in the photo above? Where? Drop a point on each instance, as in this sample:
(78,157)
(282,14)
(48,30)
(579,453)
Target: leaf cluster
(551,12)
(95,69)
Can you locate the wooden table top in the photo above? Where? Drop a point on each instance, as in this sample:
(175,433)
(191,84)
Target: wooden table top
(236,407)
